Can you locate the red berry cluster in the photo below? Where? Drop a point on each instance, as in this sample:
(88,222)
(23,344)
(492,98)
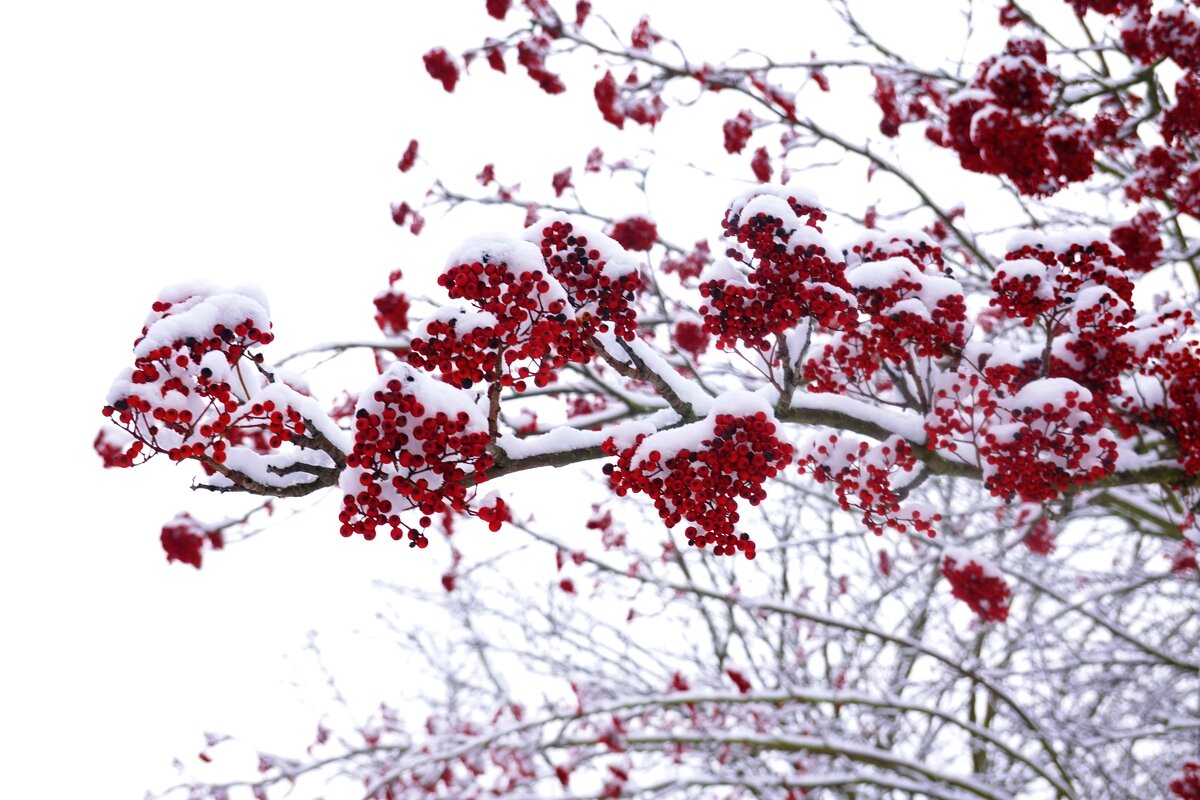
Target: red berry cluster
(495,512)
(690,337)
(978,586)
(702,485)
(864,479)
(1056,439)
(1003,123)
(183,539)
(1155,173)
(404,214)
(498,8)
(409,159)
(1187,194)
(1182,120)
(186,397)
(617,104)
(408,455)
(1109,6)
(1040,537)
(1140,240)
(1079,293)
(961,406)
(114,448)
(635,233)
(531,54)
(737,131)
(760,165)
(585,405)
(912,310)
(1049,288)
(689,265)
(561,181)
(391,307)
(1183,561)
(1174,408)
(533,321)
(441,66)
(644,37)
(1187,785)
(901,99)
(792,277)
(611,535)
(596,286)
(1174,33)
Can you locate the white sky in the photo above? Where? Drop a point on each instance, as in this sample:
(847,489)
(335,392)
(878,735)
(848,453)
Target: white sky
(145,143)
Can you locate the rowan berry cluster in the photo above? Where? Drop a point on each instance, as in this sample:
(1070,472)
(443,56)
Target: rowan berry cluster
(1078,293)
(737,131)
(442,67)
(1170,399)
(909,309)
(417,444)
(114,448)
(690,337)
(1187,785)
(1183,561)
(585,405)
(978,585)
(538,307)
(1139,239)
(611,534)
(531,54)
(792,274)
(1040,537)
(183,539)
(635,233)
(902,99)
(760,165)
(1003,123)
(600,279)
(392,307)
(195,390)
(688,266)
(1171,33)
(1045,438)
(494,511)
(630,100)
(866,479)
(409,159)
(731,458)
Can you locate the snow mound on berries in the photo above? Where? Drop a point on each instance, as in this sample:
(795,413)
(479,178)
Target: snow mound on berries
(771,198)
(496,248)
(689,437)
(1061,242)
(196,308)
(617,261)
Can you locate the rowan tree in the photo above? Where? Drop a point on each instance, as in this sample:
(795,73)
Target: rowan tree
(903,493)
